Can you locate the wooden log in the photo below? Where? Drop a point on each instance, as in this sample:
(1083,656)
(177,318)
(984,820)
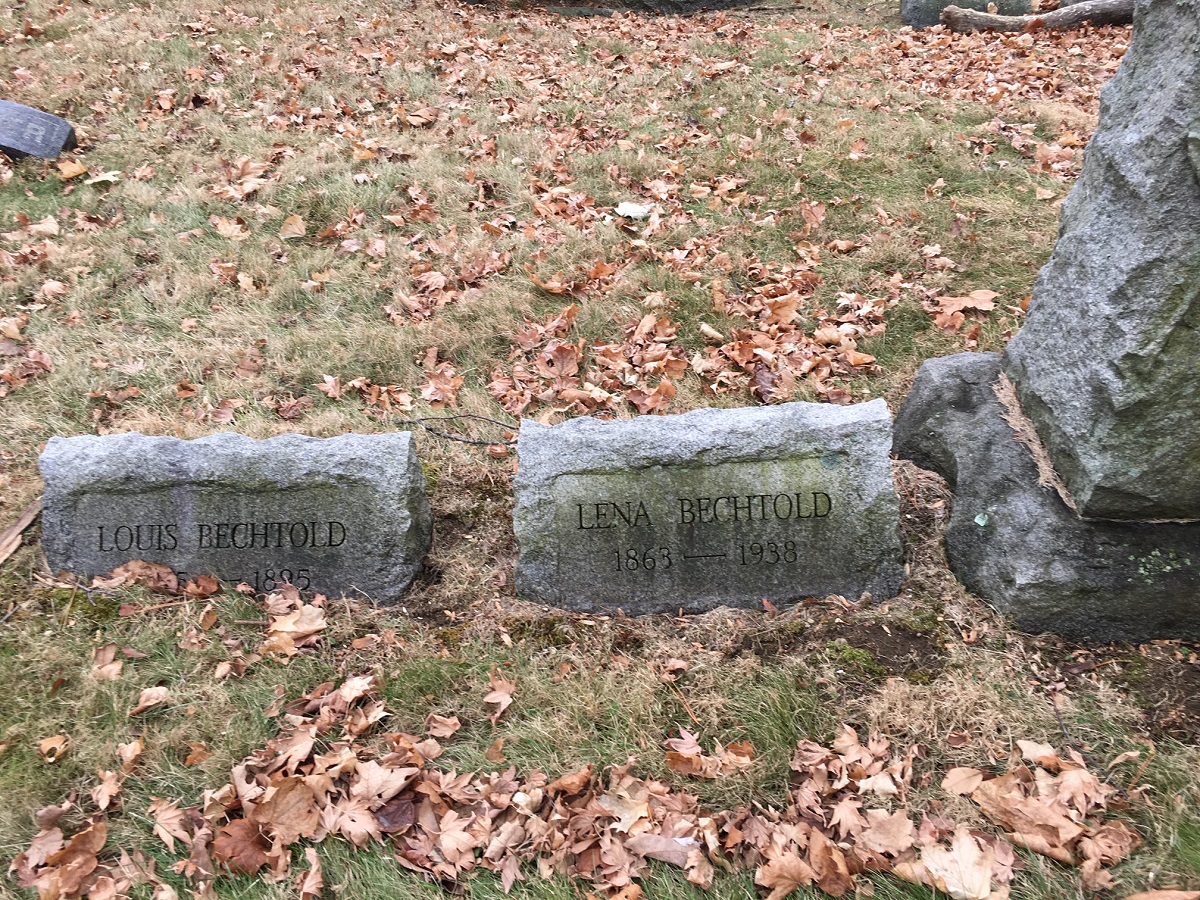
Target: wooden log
(1097,12)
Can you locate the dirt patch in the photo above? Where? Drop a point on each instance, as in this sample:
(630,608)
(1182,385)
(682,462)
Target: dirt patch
(880,650)
(1162,678)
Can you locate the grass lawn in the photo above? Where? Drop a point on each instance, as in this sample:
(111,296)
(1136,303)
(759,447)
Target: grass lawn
(342,217)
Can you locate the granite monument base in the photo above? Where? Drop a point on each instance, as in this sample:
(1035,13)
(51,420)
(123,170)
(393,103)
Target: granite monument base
(1016,544)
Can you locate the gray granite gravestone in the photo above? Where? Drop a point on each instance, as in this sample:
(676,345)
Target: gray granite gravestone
(342,515)
(708,508)
(25,131)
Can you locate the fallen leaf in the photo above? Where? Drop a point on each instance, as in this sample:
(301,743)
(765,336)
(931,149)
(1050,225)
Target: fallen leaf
(784,874)
(197,753)
(149,698)
(169,822)
(293,227)
(52,749)
(501,693)
(70,168)
(495,753)
(310,884)
(241,847)
(442,727)
(962,780)
(107,790)
(105,667)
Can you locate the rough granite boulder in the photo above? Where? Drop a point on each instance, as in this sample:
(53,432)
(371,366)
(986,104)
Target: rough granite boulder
(1016,544)
(927,13)
(342,515)
(1108,363)
(708,508)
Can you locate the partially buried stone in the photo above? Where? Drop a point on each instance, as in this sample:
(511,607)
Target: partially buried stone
(1016,544)
(343,515)
(25,131)
(1108,364)
(708,508)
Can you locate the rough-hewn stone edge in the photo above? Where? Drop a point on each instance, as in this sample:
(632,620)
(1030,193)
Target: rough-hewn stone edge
(724,435)
(93,464)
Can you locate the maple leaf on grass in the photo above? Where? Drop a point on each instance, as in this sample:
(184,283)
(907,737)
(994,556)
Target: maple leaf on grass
(831,873)
(963,871)
(442,384)
(962,780)
(241,847)
(149,698)
(169,822)
(158,578)
(104,793)
(441,726)
(52,749)
(501,693)
(129,754)
(783,875)
(311,883)
(288,811)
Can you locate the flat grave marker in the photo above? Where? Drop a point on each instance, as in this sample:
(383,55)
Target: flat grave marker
(708,508)
(25,131)
(342,515)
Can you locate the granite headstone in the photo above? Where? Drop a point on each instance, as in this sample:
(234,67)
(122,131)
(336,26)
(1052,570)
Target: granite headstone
(25,131)
(342,515)
(708,508)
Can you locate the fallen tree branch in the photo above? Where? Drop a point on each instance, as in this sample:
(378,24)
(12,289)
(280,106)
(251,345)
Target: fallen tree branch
(1097,12)
(10,537)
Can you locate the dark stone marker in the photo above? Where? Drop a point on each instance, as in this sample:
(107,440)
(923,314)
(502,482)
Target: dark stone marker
(343,515)
(25,131)
(1018,545)
(708,508)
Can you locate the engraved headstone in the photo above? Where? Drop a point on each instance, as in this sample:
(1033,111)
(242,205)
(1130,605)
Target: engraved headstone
(343,515)
(25,131)
(708,508)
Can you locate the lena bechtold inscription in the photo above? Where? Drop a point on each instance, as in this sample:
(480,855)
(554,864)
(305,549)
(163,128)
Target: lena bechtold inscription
(708,508)
(340,515)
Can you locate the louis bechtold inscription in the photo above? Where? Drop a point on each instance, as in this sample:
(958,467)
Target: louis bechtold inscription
(339,515)
(708,508)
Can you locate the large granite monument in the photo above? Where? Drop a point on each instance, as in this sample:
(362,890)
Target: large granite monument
(343,515)
(1108,364)
(1075,459)
(708,508)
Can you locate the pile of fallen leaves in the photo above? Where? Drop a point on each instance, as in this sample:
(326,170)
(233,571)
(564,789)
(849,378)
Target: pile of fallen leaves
(775,352)
(19,362)
(547,368)
(333,771)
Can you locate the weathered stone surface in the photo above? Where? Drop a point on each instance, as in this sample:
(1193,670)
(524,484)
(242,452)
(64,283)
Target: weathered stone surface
(1108,363)
(708,508)
(927,13)
(25,131)
(340,515)
(1017,545)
